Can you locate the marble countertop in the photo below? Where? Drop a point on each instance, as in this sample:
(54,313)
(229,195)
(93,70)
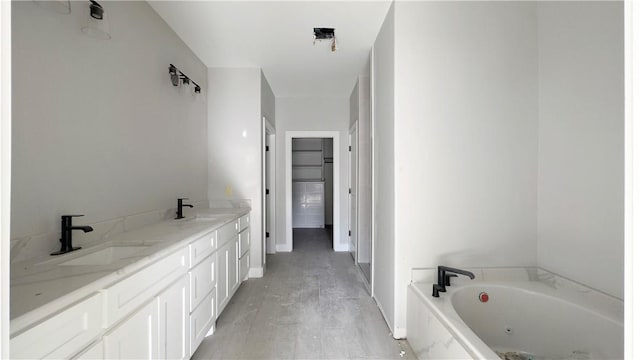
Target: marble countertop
(40,287)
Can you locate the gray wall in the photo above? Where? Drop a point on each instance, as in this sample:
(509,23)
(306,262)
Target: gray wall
(235,145)
(311,114)
(364,168)
(384,265)
(581,148)
(354,108)
(97,127)
(466,144)
(267,100)
(507,129)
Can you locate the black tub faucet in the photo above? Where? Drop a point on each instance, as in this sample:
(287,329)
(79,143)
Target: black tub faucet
(445,274)
(65,238)
(443,279)
(180,206)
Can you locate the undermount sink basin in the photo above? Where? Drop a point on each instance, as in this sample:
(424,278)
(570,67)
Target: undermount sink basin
(105,256)
(202,217)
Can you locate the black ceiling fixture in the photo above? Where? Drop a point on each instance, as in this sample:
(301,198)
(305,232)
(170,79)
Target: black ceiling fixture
(324,33)
(95,10)
(320,34)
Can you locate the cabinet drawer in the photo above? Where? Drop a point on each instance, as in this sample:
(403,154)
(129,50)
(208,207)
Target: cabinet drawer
(244,266)
(128,294)
(244,242)
(227,232)
(243,222)
(173,321)
(201,320)
(62,335)
(201,248)
(203,280)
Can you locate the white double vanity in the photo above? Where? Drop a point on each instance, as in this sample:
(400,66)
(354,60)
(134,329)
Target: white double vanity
(152,293)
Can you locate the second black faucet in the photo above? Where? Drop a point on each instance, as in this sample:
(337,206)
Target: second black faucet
(180,206)
(65,234)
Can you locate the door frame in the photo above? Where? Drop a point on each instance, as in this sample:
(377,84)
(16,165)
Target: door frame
(632,179)
(289,135)
(268,139)
(372,131)
(353,185)
(5,173)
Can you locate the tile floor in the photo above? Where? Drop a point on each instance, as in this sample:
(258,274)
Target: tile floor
(311,304)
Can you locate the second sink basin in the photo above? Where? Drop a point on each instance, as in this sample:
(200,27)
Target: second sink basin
(105,256)
(202,217)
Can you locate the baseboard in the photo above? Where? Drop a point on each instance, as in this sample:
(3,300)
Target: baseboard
(283,248)
(400,333)
(256,272)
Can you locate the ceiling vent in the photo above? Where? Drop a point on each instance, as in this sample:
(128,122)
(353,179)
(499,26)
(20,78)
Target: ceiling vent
(323,33)
(320,34)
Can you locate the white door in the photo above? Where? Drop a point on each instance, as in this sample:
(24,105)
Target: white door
(174,321)
(270,239)
(353,189)
(269,181)
(137,337)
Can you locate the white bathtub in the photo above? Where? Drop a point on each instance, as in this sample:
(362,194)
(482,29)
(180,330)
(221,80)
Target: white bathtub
(533,315)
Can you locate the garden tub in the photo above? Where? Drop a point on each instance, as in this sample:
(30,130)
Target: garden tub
(515,314)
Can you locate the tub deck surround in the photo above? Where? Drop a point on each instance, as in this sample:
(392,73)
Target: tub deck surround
(437,327)
(42,286)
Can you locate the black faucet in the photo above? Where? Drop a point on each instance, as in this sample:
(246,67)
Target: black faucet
(65,238)
(444,279)
(180,206)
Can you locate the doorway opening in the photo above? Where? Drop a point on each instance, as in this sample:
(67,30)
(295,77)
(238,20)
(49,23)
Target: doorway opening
(312,191)
(312,196)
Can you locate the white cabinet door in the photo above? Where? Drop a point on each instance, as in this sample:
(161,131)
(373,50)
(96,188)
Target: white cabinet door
(243,266)
(136,337)
(233,273)
(222,288)
(173,323)
(228,276)
(202,321)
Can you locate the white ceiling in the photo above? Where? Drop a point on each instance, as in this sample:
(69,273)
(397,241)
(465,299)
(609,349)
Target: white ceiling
(277,36)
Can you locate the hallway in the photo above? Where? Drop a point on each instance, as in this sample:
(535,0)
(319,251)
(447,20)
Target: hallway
(311,304)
